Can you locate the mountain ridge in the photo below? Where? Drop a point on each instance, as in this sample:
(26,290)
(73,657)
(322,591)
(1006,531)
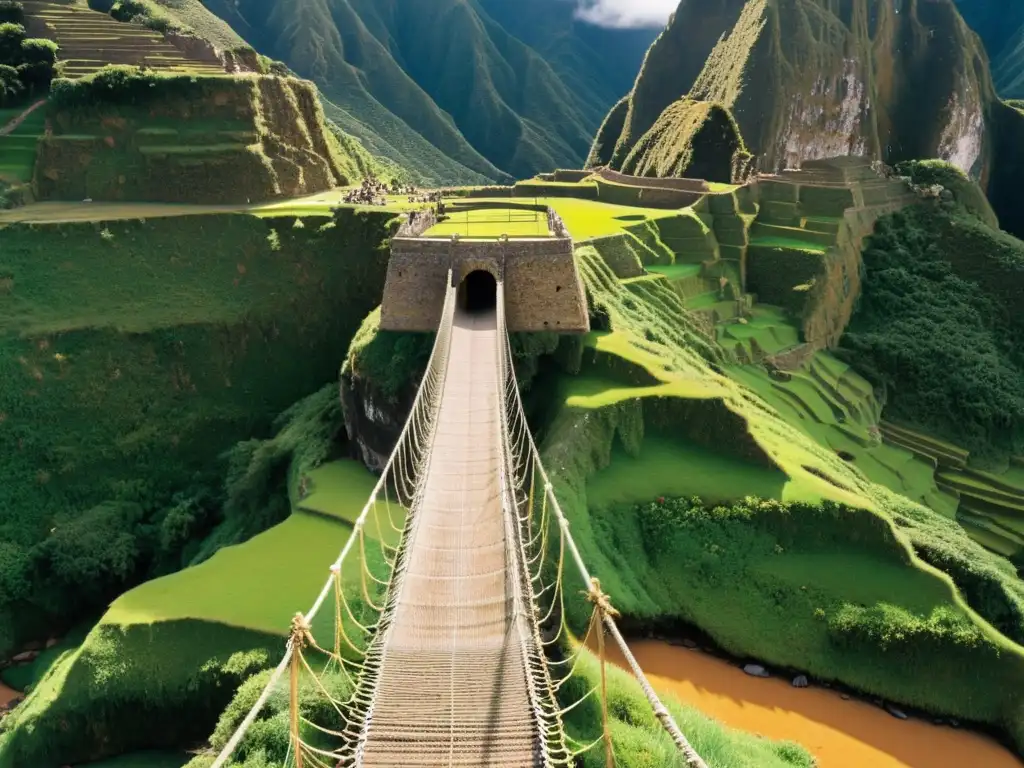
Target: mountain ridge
(394,74)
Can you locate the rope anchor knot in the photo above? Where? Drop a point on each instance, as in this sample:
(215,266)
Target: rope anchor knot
(600,600)
(301,634)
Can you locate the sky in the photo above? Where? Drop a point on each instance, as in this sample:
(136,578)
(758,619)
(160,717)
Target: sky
(626,13)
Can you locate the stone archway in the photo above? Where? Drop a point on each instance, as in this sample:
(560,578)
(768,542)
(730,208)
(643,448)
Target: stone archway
(478,292)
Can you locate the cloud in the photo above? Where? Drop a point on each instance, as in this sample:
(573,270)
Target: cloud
(626,13)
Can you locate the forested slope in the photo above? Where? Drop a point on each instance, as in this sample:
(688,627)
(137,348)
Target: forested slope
(453,90)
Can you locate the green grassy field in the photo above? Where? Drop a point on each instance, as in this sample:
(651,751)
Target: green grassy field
(667,467)
(18,148)
(129,395)
(492,223)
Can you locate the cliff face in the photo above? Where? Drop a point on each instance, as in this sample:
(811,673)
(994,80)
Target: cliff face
(809,79)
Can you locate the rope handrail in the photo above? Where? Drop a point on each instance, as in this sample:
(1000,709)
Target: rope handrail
(517,556)
(661,712)
(438,350)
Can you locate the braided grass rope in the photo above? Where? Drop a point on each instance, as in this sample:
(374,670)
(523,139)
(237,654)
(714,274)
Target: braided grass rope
(454,666)
(602,604)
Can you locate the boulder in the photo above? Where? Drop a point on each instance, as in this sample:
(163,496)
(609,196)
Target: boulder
(899,714)
(756,670)
(25,656)
(801,681)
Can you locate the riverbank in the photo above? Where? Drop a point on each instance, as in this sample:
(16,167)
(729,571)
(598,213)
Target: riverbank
(840,733)
(7,695)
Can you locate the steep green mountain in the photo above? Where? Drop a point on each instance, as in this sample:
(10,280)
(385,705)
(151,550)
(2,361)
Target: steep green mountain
(446,89)
(814,78)
(1001,27)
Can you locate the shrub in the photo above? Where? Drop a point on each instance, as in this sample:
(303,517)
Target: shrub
(11,12)
(11,87)
(11,38)
(935,326)
(126,85)
(38,51)
(92,556)
(36,78)
(145,13)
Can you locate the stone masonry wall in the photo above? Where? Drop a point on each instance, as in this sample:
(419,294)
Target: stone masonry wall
(543,291)
(680,185)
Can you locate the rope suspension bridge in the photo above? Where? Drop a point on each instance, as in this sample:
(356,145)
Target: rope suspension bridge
(448,644)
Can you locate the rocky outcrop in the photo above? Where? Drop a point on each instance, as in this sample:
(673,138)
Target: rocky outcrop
(810,79)
(695,139)
(373,419)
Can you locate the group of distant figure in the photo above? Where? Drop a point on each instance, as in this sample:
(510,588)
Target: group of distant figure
(375,192)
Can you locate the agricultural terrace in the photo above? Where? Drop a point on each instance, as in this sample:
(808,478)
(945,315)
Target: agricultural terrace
(18,139)
(90,40)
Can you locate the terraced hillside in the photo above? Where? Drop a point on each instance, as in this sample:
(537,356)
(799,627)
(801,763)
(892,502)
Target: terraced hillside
(90,40)
(18,141)
(129,136)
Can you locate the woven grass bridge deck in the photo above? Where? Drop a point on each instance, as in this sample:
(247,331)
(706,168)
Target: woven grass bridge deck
(453,688)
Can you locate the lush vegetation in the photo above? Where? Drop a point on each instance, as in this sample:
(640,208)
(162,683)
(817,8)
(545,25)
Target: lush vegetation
(762,576)
(938,325)
(201,631)
(113,416)
(544,79)
(27,65)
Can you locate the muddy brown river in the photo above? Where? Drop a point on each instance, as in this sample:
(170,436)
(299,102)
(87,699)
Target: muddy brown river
(840,733)
(7,695)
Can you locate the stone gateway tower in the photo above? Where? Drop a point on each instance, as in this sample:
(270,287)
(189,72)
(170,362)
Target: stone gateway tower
(543,291)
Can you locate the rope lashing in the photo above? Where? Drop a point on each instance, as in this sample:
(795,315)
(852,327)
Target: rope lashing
(300,637)
(600,600)
(602,608)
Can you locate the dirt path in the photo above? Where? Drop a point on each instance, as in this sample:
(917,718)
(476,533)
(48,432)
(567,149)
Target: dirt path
(840,733)
(13,124)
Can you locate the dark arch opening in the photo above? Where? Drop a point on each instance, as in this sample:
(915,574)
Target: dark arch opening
(478,292)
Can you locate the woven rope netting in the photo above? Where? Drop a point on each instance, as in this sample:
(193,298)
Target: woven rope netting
(449,642)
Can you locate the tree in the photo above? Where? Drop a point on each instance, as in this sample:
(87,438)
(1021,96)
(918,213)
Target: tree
(11,38)
(39,65)
(11,87)
(36,50)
